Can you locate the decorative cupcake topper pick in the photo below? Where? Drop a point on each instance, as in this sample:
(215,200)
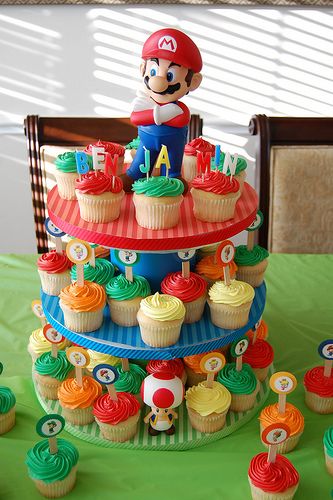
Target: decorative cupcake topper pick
(145,168)
(54,338)
(37,309)
(98,157)
(128,258)
(231,163)
(108,375)
(212,363)
(50,426)
(54,231)
(79,358)
(125,365)
(204,160)
(224,255)
(273,435)
(82,165)
(217,156)
(256,224)
(255,331)
(282,383)
(163,159)
(237,350)
(185,256)
(325,350)
(79,252)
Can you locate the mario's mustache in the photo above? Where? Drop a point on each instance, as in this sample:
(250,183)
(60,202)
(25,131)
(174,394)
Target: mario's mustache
(171,89)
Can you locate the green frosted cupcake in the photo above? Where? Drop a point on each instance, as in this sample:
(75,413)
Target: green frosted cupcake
(101,274)
(66,174)
(130,381)
(251,264)
(133,146)
(50,372)
(242,385)
(7,409)
(53,474)
(124,298)
(328,449)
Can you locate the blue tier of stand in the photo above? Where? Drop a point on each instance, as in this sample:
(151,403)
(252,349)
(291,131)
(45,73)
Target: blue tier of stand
(125,342)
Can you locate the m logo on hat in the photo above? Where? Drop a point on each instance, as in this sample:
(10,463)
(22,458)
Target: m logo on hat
(167,43)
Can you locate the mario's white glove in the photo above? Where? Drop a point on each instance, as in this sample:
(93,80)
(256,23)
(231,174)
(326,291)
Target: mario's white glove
(163,114)
(142,101)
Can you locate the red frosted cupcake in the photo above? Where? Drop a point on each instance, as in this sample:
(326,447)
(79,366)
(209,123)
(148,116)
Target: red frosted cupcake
(54,272)
(117,420)
(318,390)
(174,366)
(110,147)
(272,480)
(191,150)
(192,291)
(99,196)
(259,356)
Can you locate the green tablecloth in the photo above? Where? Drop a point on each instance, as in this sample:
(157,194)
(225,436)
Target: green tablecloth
(299,314)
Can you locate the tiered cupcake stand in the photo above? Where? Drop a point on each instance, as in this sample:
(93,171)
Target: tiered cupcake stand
(125,342)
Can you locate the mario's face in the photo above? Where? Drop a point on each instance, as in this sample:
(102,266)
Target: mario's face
(166,81)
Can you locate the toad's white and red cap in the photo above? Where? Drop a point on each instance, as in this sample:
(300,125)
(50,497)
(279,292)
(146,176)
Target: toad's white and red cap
(173,45)
(162,390)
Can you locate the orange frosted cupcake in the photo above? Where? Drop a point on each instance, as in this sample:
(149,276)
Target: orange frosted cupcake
(261,332)
(292,417)
(54,271)
(211,271)
(83,306)
(191,150)
(193,370)
(112,148)
(259,356)
(77,402)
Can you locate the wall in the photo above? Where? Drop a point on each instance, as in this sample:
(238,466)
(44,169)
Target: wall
(83,60)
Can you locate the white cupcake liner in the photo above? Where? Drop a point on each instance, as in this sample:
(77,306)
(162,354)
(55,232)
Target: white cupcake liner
(189,167)
(124,312)
(241,179)
(159,333)
(244,402)
(66,184)
(7,420)
(157,213)
(328,462)
(194,309)
(253,275)
(208,424)
(225,316)
(57,489)
(53,283)
(99,208)
(47,386)
(259,494)
(318,404)
(209,207)
(87,321)
(77,416)
(120,432)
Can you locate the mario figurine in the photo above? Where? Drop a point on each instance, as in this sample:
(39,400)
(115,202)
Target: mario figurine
(170,69)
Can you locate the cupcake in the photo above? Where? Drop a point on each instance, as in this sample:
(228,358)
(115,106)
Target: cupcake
(328,450)
(261,332)
(260,357)
(272,480)
(7,409)
(240,173)
(50,372)
(54,272)
(230,304)
(110,147)
(117,420)
(192,291)
(207,407)
(157,202)
(83,306)
(174,366)
(292,417)
(130,381)
(243,386)
(160,318)
(211,271)
(214,197)
(76,401)
(38,344)
(132,147)
(124,298)
(100,274)
(251,264)
(318,390)
(53,474)
(189,167)
(193,370)
(99,196)
(66,174)
(97,358)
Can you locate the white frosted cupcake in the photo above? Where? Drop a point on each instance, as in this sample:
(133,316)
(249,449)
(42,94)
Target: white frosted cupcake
(54,272)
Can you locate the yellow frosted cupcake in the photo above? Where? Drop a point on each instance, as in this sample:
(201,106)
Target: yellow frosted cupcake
(97,358)
(230,304)
(38,344)
(77,402)
(207,407)
(160,318)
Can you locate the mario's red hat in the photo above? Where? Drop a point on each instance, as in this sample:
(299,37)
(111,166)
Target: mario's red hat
(175,46)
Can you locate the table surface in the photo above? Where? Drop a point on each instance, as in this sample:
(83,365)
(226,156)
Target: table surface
(299,314)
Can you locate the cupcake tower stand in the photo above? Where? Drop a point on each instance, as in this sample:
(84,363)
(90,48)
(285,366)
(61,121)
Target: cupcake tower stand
(125,342)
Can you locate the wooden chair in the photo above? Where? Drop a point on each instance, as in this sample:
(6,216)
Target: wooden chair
(49,136)
(294,177)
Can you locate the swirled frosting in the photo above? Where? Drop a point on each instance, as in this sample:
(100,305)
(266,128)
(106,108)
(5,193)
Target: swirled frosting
(96,182)
(130,381)
(235,294)
(162,307)
(39,344)
(113,412)
(243,381)
(47,467)
(275,477)
(245,257)
(198,144)
(208,267)
(292,417)
(89,297)
(328,441)
(259,355)
(193,362)
(120,288)
(109,147)
(186,289)
(97,358)
(58,367)
(174,366)
(53,262)
(262,331)
(241,164)
(72,396)
(7,399)
(101,273)
(158,186)
(66,162)
(315,381)
(134,144)
(216,182)
(206,401)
